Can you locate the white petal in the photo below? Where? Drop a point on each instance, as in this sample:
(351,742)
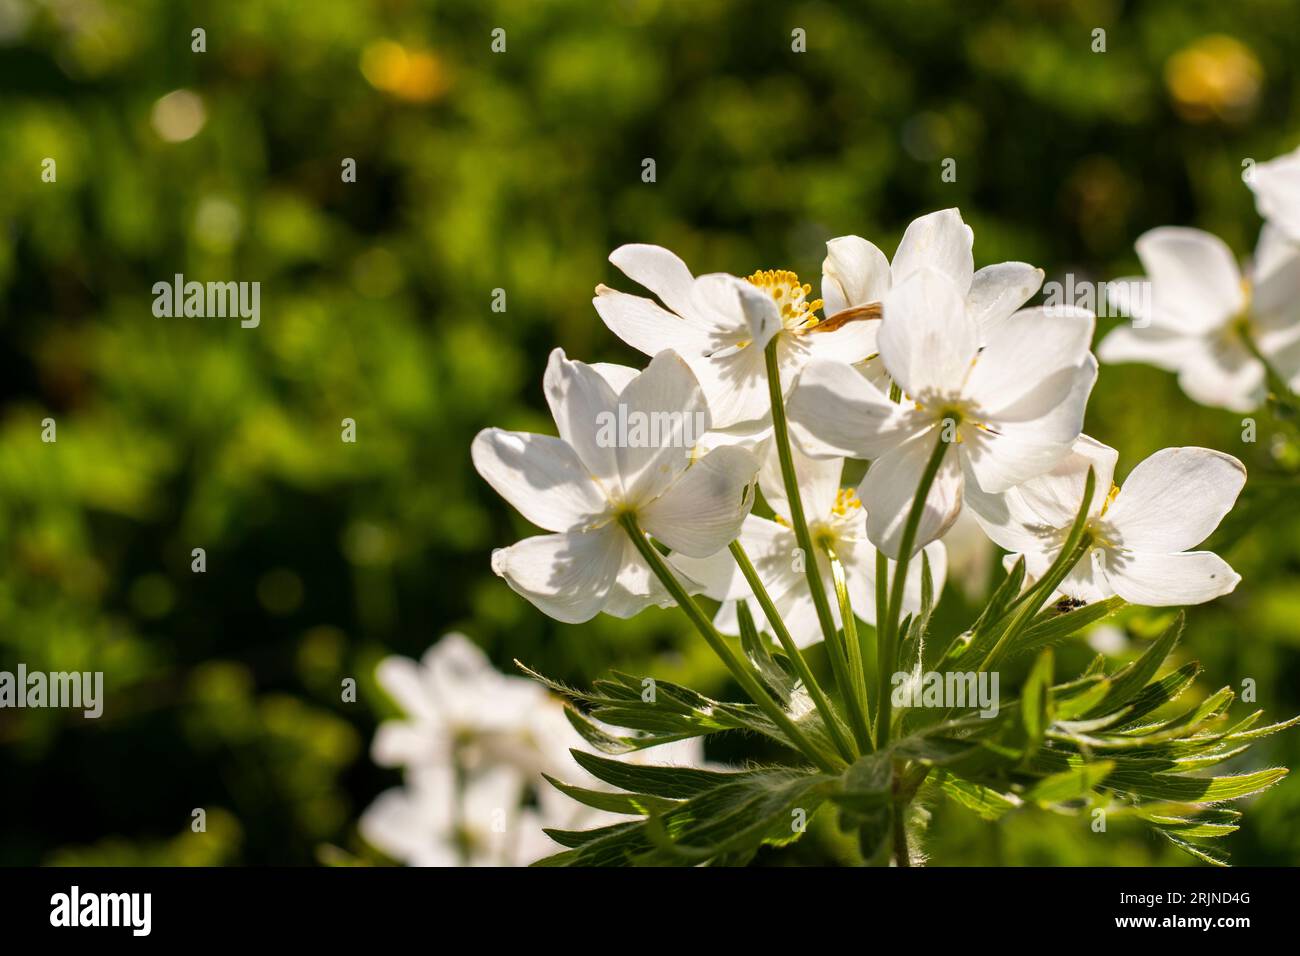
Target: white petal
(999,290)
(854,273)
(735,383)
(836,411)
(648,328)
(702,511)
(717,574)
(1224,375)
(582,398)
(852,342)
(638,587)
(1036,515)
(541,476)
(566,576)
(1173,500)
(926,338)
(939,241)
(1195,282)
(1150,345)
(1166,580)
(404,681)
(1276,185)
(660,271)
(1275,279)
(666,415)
(818,480)
(616,376)
(891,485)
(734,309)
(1027,349)
(1033,435)
(1086,581)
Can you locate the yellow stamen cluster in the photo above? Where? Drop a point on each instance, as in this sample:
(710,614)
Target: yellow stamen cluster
(791,297)
(846,500)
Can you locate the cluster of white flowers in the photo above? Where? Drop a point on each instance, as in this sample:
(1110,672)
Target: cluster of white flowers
(960,399)
(1197,314)
(931,371)
(473,744)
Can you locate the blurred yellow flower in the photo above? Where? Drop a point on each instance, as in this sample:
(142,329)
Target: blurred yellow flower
(1216,77)
(417,76)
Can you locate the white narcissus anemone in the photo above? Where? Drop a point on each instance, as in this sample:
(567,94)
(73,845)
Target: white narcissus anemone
(1276,185)
(1195,308)
(458,707)
(1009,400)
(721,324)
(1140,533)
(580,484)
(437,820)
(836,518)
(856,276)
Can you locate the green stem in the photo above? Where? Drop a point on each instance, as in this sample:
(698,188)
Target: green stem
(719,645)
(853,649)
(829,715)
(1076,544)
(887,629)
(781,435)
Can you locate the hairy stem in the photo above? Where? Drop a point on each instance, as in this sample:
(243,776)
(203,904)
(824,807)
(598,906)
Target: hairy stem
(744,677)
(887,627)
(830,717)
(781,435)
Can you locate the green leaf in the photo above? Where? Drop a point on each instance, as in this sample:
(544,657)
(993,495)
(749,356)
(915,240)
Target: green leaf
(1072,784)
(636,804)
(1132,678)
(758,650)
(1164,786)
(988,803)
(678,783)
(1051,626)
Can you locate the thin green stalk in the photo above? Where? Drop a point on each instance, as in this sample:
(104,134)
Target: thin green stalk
(781,435)
(1075,546)
(830,717)
(887,629)
(715,640)
(853,649)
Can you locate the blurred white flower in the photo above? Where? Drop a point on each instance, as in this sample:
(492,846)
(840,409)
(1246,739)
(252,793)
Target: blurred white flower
(1276,185)
(578,486)
(835,517)
(475,743)
(1016,391)
(1140,534)
(436,820)
(459,708)
(1198,307)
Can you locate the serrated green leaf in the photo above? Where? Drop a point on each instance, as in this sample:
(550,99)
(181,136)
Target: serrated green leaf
(1072,784)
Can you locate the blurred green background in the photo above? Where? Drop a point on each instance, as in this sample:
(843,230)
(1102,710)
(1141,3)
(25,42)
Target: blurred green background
(519,171)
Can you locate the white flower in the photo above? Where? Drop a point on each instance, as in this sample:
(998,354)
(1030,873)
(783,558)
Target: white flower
(474,744)
(835,517)
(436,820)
(720,325)
(856,276)
(1198,305)
(458,708)
(1018,398)
(578,485)
(1141,533)
(1276,185)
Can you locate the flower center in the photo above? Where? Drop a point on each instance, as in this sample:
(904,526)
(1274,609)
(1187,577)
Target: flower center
(846,500)
(790,296)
